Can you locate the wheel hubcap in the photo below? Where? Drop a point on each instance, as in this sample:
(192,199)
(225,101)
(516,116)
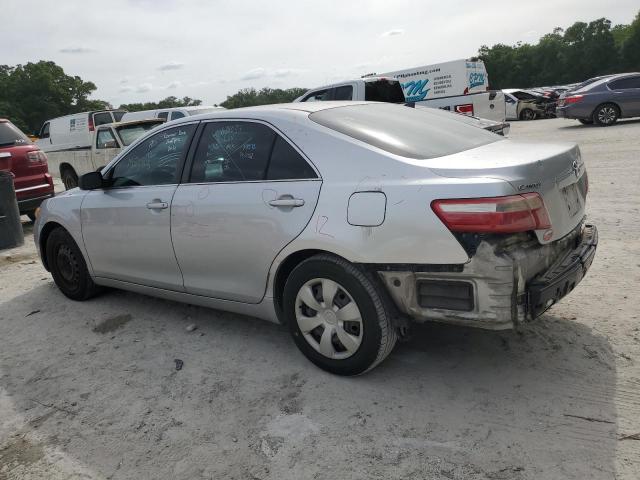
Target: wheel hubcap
(329,319)
(607,115)
(67,265)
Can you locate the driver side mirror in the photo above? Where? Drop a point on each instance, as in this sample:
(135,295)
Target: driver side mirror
(91,181)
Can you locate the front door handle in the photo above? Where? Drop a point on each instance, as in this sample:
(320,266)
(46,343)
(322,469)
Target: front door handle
(287,202)
(157,205)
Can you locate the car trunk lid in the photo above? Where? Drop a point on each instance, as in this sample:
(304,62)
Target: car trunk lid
(555,171)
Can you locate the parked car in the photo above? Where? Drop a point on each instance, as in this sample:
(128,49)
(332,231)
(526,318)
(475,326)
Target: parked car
(604,101)
(28,164)
(169,114)
(526,105)
(106,142)
(74,131)
(347,221)
(389,90)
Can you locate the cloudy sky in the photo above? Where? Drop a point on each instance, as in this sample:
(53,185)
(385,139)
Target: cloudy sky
(140,50)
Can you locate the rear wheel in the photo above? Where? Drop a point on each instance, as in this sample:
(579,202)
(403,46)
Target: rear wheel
(337,316)
(606,114)
(588,121)
(68,267)
(69,178)
(527,114)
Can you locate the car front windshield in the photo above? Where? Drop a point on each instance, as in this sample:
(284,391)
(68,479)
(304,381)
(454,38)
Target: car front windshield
(10,135)
(130,133)
(408,132)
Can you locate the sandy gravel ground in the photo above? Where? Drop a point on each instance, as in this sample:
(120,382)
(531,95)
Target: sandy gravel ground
(91,391)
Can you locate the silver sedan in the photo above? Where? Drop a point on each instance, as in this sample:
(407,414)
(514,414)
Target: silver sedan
(347,221)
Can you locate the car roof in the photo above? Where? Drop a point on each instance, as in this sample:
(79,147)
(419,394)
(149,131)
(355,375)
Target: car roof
(132,122)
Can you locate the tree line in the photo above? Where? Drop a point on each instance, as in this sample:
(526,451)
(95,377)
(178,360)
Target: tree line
(35,92)
(581,51)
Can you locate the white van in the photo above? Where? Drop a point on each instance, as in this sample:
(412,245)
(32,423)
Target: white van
(460,86)
(74,131)
(169,113)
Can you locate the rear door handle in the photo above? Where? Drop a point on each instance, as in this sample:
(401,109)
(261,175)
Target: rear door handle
(287,202)
(157,205)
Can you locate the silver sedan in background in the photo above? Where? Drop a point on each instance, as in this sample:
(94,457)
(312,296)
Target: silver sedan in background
(347,221)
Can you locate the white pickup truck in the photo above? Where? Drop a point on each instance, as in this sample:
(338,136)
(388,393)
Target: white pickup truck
(108,140)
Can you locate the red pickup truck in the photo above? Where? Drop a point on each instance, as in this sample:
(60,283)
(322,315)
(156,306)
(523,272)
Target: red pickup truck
(28,165)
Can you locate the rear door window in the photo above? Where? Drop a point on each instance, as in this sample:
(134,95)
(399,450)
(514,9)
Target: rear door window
(175,115)
(625,83)
(343,93)
(102,118)
(287,164)
(163,115)
(232,152)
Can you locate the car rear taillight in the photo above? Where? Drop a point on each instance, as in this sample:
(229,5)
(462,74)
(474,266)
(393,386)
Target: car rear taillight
(36,157)
(466,109)
(573,99)
(91,127)
(512,214)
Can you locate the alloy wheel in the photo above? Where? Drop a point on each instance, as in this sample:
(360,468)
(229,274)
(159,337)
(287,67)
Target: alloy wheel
(329,319)
(607,115)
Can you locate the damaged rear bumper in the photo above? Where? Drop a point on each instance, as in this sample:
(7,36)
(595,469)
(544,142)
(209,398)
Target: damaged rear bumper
(508,281)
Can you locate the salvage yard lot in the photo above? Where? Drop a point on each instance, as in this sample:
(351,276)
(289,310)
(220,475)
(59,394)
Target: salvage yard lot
(91,390)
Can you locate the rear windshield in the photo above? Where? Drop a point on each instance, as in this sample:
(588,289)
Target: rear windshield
(388,91)
(408,132)
(130,133)
(10,135)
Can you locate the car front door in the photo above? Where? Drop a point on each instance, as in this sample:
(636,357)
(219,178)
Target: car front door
(107,147)
(511,105)
(249,192)
(126,225)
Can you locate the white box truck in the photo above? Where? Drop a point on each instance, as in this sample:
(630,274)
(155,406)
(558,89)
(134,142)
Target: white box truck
(460,86)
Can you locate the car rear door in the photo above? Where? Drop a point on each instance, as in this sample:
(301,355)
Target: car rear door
(248,193)
(126,226)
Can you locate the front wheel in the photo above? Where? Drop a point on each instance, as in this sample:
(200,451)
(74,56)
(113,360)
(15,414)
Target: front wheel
(337,316)
(606,115)
(68,267)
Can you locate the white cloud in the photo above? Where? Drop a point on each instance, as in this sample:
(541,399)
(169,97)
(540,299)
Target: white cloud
(76,50)
(126,89)
(144,87)
(287,72)
(171,66)
(174,84)
(124,80)
(393,33)
(254,74)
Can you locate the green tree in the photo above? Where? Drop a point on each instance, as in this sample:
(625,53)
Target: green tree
(631,47)
(169,102)
(248,97)
(35,92)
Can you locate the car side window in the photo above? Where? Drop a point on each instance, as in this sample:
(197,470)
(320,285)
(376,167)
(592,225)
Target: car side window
(317,96)
(155,161)
(163,115)
(175,115)
(232,152)
(287,164)
(343,93)
(45,131)
(625,83)
(509,99)
(105,139)
(102,118)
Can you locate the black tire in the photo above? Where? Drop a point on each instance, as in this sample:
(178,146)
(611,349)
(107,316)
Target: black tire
(68,267)
(378,335)
(588,121)
(31,215)
(69,178)
(527,114)
(606,114)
